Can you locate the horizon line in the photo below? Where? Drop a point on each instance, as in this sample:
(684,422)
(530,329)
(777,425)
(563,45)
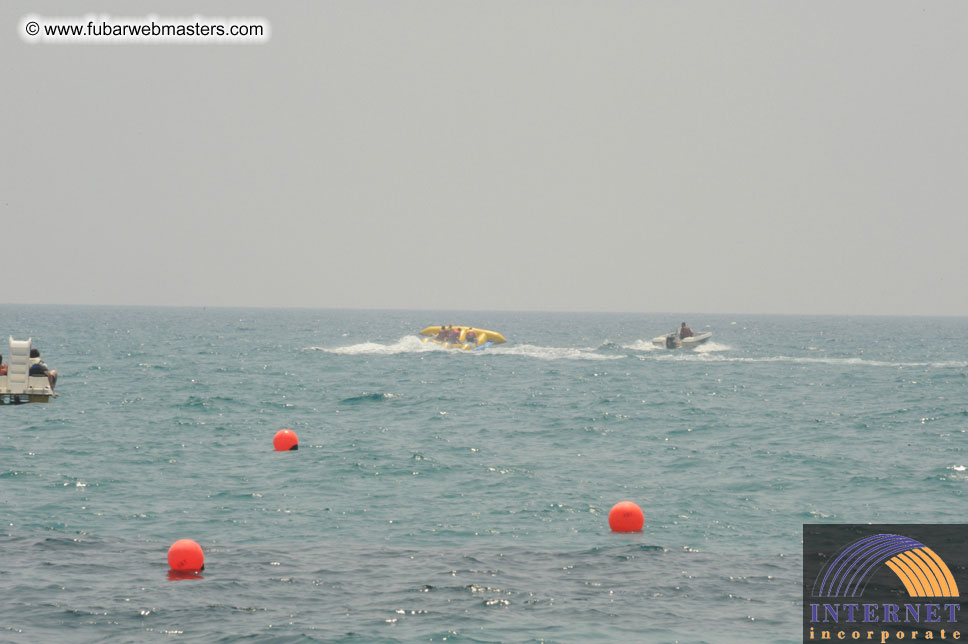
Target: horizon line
(457,310)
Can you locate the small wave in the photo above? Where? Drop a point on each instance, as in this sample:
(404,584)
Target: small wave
(552,353)
(367,397)
(958,473)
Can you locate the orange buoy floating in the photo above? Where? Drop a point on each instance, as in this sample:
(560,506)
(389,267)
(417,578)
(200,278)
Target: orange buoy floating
(186,556)
(626,516)
(285,440)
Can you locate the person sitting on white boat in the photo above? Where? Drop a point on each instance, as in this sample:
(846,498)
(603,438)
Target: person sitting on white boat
(685,332)
(39,368)
(3,366)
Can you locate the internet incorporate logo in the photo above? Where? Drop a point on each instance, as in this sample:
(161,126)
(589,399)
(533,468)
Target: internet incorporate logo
(922,572)
(879,583)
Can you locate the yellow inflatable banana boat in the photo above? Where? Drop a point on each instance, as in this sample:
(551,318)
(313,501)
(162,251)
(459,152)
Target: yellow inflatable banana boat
(462,337)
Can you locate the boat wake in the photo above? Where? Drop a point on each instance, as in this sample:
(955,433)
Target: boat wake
(406,344)
(552,353)
(706,347)
(413,344)
(708,352)
(711,347)
(641,345)
(956,364)
(367,397)
(839,362)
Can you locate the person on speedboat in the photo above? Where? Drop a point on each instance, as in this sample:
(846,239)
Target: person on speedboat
(685,332)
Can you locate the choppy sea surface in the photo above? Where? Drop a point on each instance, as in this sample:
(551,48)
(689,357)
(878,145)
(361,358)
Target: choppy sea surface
(451,496)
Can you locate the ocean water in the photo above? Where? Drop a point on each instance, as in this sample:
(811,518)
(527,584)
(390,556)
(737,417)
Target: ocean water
(462,497)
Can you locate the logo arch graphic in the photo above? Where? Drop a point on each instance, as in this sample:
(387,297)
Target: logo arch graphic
(922,572)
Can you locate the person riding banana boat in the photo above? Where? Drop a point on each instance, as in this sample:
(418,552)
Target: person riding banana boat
(457,337)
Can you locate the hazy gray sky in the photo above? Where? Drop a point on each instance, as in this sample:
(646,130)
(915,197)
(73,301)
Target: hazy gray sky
(757,157)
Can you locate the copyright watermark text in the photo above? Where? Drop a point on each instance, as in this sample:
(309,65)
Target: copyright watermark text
(106,29)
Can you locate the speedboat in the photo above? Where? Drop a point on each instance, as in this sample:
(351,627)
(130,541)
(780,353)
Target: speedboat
(673,341)
(16,384)
(466,338)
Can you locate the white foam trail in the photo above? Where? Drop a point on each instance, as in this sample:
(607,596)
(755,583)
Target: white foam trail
(705,347)
(551,353)
(413,344)
(709,352)
(859,362)
(406,344)
(641,345)
(710,346)
(871,363)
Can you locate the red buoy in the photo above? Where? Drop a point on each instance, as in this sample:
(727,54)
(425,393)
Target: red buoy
(626,517)
(285,440)
(186,556)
